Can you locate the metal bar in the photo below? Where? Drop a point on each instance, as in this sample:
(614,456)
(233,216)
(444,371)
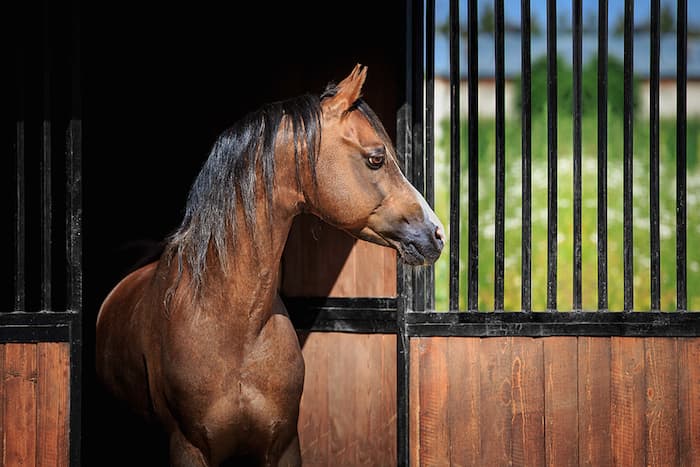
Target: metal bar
(654,235)
(74,216)
(430,134)
(500,157)
(526,118)
(497,324)
(404,284)
(74,237)
(46,198)
(46,217)
(473,153)
(74,187)
(602,155)
(20,291)
(551,155)
(681,135)
(577,111)
(418,175)
(628,128)
(455,166)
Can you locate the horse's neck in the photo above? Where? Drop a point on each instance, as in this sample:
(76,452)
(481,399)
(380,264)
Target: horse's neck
(249,275)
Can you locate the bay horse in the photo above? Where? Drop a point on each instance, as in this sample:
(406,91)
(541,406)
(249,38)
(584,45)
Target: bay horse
(199,341)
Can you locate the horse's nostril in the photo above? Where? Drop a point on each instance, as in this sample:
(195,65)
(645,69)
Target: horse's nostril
(439,234)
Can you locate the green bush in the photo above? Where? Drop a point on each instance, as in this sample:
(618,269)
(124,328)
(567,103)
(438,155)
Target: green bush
(589,86)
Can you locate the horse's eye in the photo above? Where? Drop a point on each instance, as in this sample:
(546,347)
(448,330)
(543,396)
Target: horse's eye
(375,161)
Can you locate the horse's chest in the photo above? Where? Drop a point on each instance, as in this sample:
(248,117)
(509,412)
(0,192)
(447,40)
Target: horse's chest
(246,384)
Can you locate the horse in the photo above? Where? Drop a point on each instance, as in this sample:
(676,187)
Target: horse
(199,341)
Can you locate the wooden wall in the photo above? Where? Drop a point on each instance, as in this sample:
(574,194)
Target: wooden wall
(348,408)
(34,390)
(555,401)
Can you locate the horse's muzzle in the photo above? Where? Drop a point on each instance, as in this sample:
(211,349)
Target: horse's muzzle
(421,246)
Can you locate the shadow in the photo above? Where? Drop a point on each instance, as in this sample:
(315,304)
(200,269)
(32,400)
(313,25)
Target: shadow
(163,84)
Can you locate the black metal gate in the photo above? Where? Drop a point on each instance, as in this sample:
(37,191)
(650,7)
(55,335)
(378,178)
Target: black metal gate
(42,176)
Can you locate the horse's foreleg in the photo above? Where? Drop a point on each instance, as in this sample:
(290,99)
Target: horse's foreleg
(185,454)
(291,456)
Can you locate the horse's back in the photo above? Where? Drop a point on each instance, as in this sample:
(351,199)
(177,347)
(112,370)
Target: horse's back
(121,323)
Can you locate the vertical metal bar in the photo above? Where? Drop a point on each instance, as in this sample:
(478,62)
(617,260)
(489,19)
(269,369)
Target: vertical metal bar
(681,135)
(628,128)
(74,214)
(418,175)
(473,153)
(551,155)
(20,299)
(526,92)
(74,243)
(404,283)
(655,241)
(577,111)
(455,166)
(430,134)
(46,199)
(46,216)
(602,155)
(500,156)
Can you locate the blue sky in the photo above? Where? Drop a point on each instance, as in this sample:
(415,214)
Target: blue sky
(590,7)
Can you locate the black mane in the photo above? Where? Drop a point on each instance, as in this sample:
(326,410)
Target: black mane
(229,175)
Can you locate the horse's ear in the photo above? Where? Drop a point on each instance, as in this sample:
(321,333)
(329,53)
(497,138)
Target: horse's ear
(349,90)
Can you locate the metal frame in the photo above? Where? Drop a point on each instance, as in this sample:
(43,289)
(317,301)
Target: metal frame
(54,322)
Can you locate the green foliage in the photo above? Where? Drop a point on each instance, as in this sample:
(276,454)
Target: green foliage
(589,86)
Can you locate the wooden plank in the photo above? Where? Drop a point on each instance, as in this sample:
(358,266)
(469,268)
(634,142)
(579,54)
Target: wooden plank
(594,401)
(389,273)
(342,404)
(689,401)
(367,394)
(414,384)
(528,401)
(627,401)
(496,404)
(53,399)
(561,394)
(20,404)
(3,396)
(387,448)
(661,365)
(464,406)
(374,275)
(314,423)
(434,381)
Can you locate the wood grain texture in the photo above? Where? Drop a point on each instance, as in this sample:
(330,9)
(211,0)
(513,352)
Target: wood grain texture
(387,416)
(434,432)
(3,396)
(414,384)
(321,261)
(561,405)
(20,405)
(464,401)
(348,408)
(496,404)
(527,375)
(627,401)
(53,399)
(594,401)
(661,371)
(314,427)
(689,401)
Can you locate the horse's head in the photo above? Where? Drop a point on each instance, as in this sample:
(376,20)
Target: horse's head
(360,187)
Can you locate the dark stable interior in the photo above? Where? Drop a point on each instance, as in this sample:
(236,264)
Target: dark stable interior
(160,82)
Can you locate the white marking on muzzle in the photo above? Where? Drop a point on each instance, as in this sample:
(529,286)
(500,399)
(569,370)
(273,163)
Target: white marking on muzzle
(429,214)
